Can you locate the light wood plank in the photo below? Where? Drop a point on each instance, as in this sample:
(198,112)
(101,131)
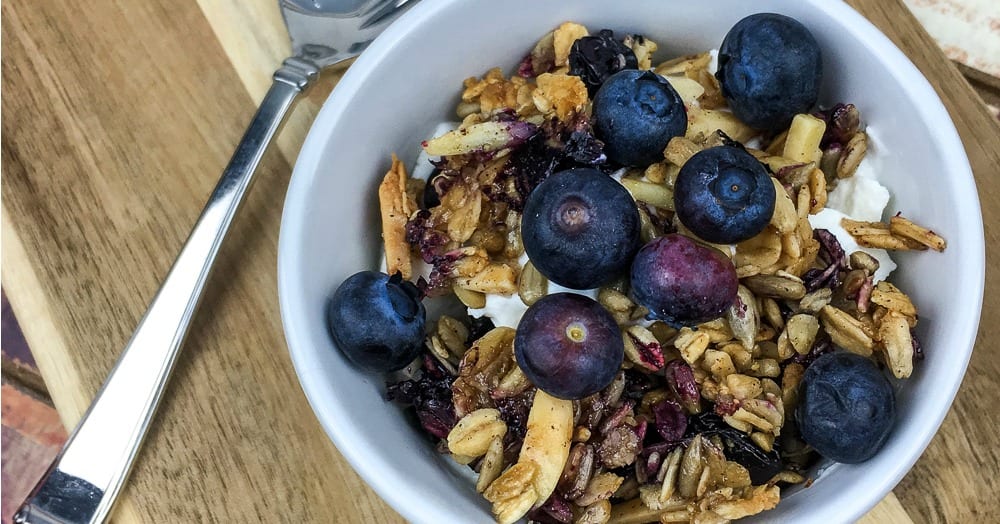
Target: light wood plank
(889,511)
(117,120)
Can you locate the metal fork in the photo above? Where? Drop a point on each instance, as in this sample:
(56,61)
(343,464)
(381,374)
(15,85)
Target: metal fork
(84,480)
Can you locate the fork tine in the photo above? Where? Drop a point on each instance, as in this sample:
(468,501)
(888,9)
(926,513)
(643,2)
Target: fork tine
(390,9)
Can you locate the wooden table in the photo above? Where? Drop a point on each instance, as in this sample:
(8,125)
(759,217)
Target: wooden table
(117,119)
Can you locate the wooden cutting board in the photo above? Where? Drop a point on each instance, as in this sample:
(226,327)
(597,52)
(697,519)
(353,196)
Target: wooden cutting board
(118,118)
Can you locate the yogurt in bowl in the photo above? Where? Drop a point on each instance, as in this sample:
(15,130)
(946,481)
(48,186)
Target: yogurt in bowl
(388,451)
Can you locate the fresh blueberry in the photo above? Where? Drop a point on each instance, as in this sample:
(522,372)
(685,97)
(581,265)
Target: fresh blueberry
(724,195)
(377,320)
(580,228)
(595,58)
(770,68)
(636,113)
(682,282)
(568,345)
(846,407)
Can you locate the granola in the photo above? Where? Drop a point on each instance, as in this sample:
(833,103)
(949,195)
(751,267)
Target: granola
(695,427)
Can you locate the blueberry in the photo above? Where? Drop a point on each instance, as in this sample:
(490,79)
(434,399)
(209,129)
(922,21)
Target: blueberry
(636,113)
(846,407)
(377,320)
(724,195)
(595,58)
(580,228)
(682,282)
(770,68)
(568,345)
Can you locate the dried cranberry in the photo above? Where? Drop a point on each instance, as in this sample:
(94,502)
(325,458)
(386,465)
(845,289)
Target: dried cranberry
(680,380)
(670,419)
(833,254)
(555,510)
(431,398)
(595,58)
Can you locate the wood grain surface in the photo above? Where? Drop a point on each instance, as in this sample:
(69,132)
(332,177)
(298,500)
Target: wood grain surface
(117,120)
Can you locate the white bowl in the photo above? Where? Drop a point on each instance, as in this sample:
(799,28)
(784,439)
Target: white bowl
(409,80)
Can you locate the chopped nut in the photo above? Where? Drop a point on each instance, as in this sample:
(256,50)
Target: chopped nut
(705,122)
(656,173)
(743,386)
(817,190)
(601,487)
(718,363)
(499,279)
(905,228)
(596,513)
(531,285)
(643,48)
(891,298)
(776,286)
(512,493)
(471,299)
(691,344)
(864,261)
(743,318)
(563,38)
(563,95)
(894,332)
(547,441)
(813,302)
(846,331)
(474,432)
(802,330)
(784,219)
(396,208)
(761,498)
(657,195)
(491,466)
(680,149)
(682,64)
(854,152)
(762,250)
(802,141)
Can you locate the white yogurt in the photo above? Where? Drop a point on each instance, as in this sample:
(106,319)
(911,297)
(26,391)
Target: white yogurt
(507,310)
(829,219)
(859,197)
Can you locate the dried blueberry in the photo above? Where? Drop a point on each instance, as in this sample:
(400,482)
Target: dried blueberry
(431,197)
(595,58)
(762,465)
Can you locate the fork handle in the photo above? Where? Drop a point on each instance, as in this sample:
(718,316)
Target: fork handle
(85,478)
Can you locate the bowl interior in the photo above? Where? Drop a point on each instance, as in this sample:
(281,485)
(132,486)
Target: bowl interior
(409,81)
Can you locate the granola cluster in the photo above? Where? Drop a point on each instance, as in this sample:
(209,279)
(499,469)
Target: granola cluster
(695,428)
